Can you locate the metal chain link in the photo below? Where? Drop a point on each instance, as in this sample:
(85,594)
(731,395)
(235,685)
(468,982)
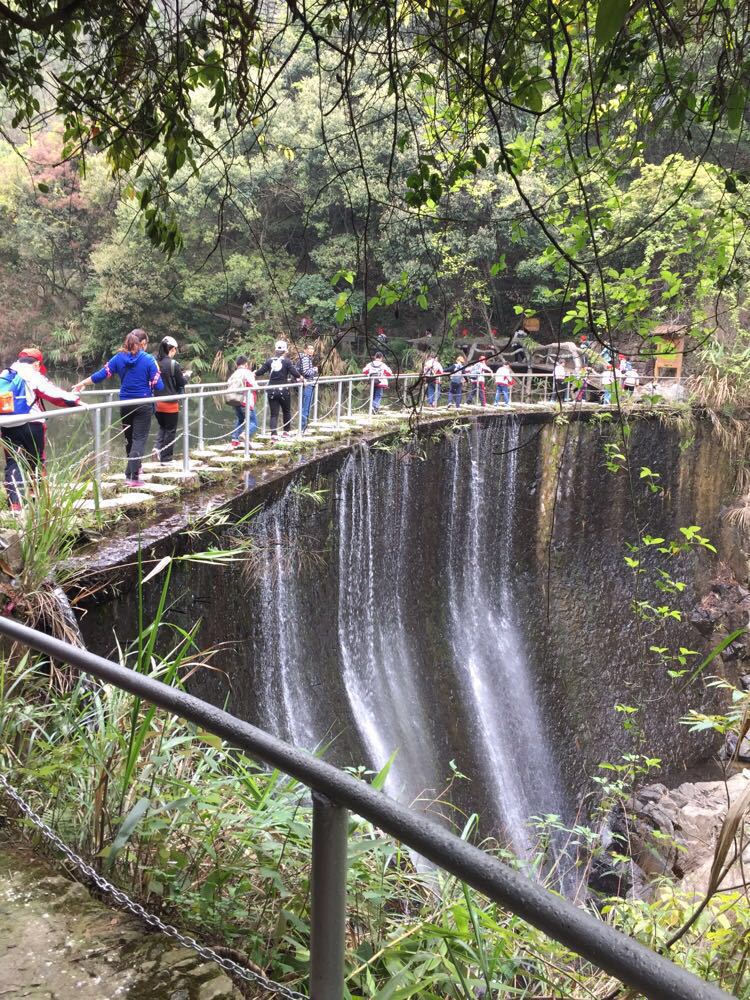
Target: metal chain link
(123,900)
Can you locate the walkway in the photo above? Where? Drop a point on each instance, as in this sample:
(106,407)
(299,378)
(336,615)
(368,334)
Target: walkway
(58,943)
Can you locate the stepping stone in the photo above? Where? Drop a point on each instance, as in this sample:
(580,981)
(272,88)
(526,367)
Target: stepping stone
(159,489)
(107,488)
(237,458)
(183,478)
(208,453)
(161,466)
(113,503)
(119,477)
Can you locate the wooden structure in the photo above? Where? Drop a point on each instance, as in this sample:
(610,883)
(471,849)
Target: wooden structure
(671,345)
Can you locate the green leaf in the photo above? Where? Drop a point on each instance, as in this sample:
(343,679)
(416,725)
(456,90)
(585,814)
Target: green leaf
(610,17)
(380,778)
(735,107)
(127,827)
(716,651)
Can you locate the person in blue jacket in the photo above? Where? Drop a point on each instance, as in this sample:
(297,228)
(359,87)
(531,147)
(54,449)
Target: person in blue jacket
(139,377)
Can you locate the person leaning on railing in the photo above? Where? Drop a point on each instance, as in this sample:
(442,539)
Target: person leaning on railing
(139,378)
(23,389)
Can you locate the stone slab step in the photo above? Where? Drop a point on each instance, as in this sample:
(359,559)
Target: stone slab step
(122,500)
(237,458)
(158,489)
(180,478)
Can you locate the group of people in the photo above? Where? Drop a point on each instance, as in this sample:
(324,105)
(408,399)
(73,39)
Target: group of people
(25,388)
(461,376)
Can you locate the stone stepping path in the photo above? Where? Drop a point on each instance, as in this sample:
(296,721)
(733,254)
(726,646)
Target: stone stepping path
(214,462)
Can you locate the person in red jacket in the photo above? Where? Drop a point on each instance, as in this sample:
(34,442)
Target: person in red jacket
(24,389)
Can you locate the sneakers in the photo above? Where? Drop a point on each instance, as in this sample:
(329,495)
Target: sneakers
(285,434)
(235,444)
(134,483)
(15,507)
(155,456)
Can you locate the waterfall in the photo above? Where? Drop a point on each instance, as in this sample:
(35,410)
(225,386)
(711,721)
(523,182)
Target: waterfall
(378,662)
(284,691)
(487,648)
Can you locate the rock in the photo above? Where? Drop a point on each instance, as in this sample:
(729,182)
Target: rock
(218,988)
(745,682)
(608,877)
(674,831)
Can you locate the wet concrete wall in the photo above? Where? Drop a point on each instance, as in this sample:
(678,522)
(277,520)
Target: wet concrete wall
(313,644)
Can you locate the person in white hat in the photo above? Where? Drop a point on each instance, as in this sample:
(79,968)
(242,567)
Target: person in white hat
(167,413)
(281,372)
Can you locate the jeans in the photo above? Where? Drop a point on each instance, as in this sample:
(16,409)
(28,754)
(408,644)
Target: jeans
(477,390)
(278,399)
(455,391)
(166,434)
(136,423)
(24,455)
(377,395)
(307,397)
(239,429)
(502,391)
(433,393)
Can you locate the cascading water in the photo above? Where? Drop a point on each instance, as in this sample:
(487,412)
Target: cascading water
(378,663)
(487,649)
(390,662)
(286,695)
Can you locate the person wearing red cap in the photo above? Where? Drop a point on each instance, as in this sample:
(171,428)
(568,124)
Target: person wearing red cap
(24,388)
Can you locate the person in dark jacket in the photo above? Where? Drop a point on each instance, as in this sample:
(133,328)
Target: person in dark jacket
(139,378)
(281,372)
(168,413)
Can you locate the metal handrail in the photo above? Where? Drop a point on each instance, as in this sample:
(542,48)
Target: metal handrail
(335,793)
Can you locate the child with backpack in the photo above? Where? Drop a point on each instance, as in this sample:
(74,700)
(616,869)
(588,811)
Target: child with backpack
(242,379)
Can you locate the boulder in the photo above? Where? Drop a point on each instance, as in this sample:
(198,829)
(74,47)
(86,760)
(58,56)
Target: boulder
(674,831)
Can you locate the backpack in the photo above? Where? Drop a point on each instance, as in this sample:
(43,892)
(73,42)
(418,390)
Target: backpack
(237,395)
(13,397)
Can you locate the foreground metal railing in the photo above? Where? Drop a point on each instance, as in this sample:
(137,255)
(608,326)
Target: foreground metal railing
(334,793)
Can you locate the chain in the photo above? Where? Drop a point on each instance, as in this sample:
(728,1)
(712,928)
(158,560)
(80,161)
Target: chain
(137,910)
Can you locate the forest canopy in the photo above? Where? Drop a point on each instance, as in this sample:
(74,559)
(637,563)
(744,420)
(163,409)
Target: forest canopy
(220,169)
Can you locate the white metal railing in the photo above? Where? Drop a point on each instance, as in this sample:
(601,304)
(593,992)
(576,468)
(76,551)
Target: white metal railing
(335,398)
